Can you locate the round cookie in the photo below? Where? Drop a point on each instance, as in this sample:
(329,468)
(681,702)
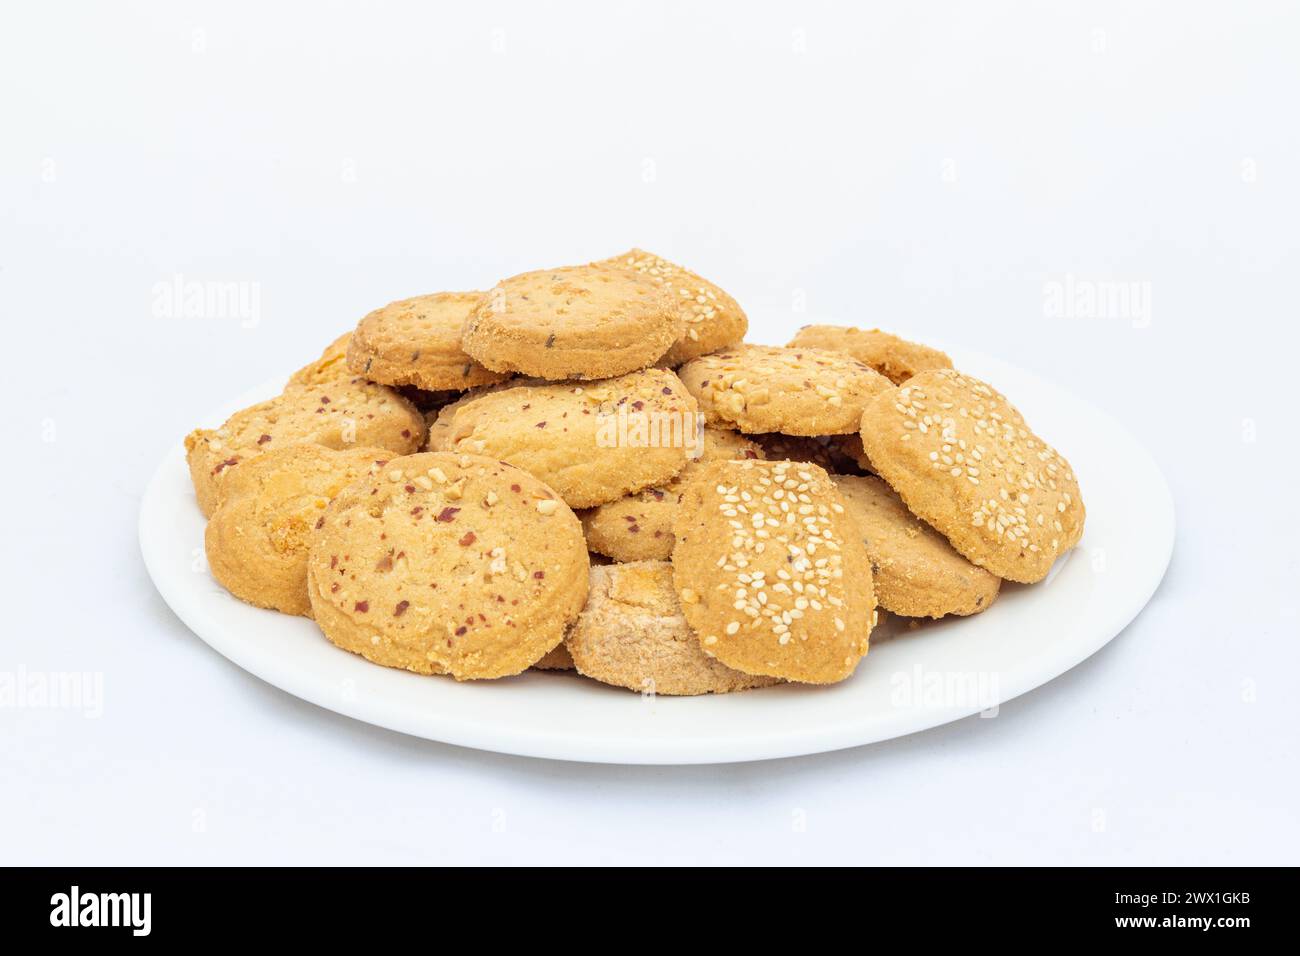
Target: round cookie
(417,342)
(639,526)
(448,563)
(713,319)
(256,540)
(632,634)
(340,413)
(896,359)
(332,365)
(762,388)
(576,322)
(825,451)
(965,462)
(914,569)
(771,571)
(592,442)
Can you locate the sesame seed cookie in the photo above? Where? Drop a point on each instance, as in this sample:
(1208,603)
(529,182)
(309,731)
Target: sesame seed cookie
(713,319)
(337,414)
(417,342)
(762,388)
(592,442)
(896,359)
(915,570)
(772,573)
(632,634)
(576,322)
(639,527)
(965,462)
(257,539)
(330,367)
(448,563)
(825,451)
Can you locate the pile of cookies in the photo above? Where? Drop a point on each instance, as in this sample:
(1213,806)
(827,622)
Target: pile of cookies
(587,468)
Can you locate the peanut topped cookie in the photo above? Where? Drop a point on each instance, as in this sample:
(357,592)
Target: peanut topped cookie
(713,319)
(448,563)
(576,322)
(639,526)
(965,462)
(337,414)
(417,342)
(762,388)
(591,441)
(771,572)
(632,634)
(330,367)
(896,359)
(257,539)
(915,570)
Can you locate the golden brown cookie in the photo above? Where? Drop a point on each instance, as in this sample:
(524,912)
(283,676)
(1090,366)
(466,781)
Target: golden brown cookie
(915,570)
(417,342)
(330,367)
(338,413)
(825,451)
(713,319)
(592,442)
(257,539)
(771,571)
(639,526)
(576,322)
(761,388)
(448,563)
(896,359)
(965,462)
(632,634)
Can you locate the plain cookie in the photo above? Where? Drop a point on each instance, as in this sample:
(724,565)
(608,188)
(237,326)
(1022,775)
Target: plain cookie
(965,462)
(771,571)
(632,634)
(448,564)
(762,388)
(592,442)
(896,359)
(576,322)
(914,569)
(417,342)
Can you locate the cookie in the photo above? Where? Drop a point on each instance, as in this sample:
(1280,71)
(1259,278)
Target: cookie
(448,563)
(713,319)
(896,359)
(761,388)
(417,342)
(632,634)
(337,414)
(256,540)
(824,451)
(592,442)
(914,569)
(330,367)
(577,322)
(639,527)
(965,462)
(772,572)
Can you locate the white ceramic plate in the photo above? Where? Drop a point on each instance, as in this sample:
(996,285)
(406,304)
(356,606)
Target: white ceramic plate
(908,682)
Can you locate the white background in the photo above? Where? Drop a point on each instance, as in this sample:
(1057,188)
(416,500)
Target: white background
(927,168)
